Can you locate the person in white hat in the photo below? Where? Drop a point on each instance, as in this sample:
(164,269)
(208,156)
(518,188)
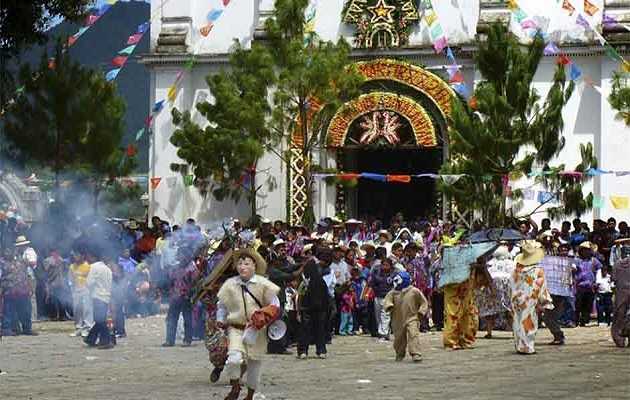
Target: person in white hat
(247,304)
(585,278)
(529,295)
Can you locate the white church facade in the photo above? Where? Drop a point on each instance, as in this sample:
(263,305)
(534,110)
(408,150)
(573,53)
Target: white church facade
(403,59)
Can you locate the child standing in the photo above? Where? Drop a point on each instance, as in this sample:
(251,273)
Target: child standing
(348,305)
(407,306)
(604,284)
(290,307)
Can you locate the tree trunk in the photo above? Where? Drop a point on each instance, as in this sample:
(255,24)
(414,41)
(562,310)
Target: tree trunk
(252,195)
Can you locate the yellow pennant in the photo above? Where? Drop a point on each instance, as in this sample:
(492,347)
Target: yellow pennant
(172,93)
(512,5)
(625,66)
(620,202)
(590,8)
(430,18)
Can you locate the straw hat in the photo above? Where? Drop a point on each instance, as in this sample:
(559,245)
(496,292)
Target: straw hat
(307,248)
(385,233)
(367,244)
(588,245)
(278,242)
(353,221)
(261,264)
(21,241)
(622,241)
(531,253)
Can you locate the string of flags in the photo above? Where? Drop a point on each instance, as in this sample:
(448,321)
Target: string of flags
(438,37)
(120,60)
(212,18)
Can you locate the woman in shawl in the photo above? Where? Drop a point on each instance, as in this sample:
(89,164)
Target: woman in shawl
(313,307)
(529,295)
(494,301)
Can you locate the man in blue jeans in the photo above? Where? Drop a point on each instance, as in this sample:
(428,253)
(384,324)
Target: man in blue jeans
(99,283)
(182,279)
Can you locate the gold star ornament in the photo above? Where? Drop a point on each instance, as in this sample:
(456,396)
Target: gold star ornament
(382,12)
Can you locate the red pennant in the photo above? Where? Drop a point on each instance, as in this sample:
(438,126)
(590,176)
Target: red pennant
(399,178)
(155,182)
(348,177)
(148,121)
(72,40)
(566,4)
(472,102)
(119,61)
(563,60)
(226,2)
(457,77)
(51,63)
(91,19)
(135,38)
(131,150)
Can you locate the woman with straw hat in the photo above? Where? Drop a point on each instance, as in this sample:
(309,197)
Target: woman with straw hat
(529,295)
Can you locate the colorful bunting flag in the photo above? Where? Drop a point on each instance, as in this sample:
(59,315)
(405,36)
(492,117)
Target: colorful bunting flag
(103,9)
(190,63)
(608,21)
(148,121)
(430,18)
(563,59)
(91,19)
(451,179)
(139,133)
(472,102)
(155,182)
(111,75)
(131,150)
(226,2)
(172,93)
(462,89)
(72,40)
(157,107)
(566,5)
(399,178)
(620,202)
(440,44)
(374,177)
(127,50)
(590,8)
(119,61)
(135,38)
(582,22)
(348,176)
(81,31)
(188,180)
(612,53)
(512,5)
(519,15)
(142,28)
(574,72)
(457,77)
(551,49)
(213,15)
(450,56)
(545,197)
(598,202)
(206,29)
(528,24)
(436,31)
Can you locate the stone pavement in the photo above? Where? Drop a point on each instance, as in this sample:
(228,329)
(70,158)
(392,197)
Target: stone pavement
(56,366)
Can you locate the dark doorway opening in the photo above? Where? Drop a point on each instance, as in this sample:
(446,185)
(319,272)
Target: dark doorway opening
(384,199)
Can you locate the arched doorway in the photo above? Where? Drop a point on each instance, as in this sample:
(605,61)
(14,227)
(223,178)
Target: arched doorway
(397,126)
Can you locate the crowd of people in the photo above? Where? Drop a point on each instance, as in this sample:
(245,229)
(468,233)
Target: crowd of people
(342,278)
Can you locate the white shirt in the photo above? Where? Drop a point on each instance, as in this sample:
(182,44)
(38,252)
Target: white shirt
(99,282)
(222,311)
(330,282)
(604,284)
(341,271)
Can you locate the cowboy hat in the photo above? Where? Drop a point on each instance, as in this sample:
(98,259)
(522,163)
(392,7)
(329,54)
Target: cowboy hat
(278,242)
(353,221)
(385,233)
(531,253)
(261,264)
(588,245)
(367,244)
(307,248)
(623,240)
(265,221)
(21,241)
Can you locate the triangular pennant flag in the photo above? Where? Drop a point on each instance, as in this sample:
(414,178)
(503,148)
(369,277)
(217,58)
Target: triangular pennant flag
(451,179)
(172,93)
(528,24)
(612,53)
(19,90)
(582,21)
(430,18)
(155,182)
(551,49)
(148,121)
(111,75)
(190,63)
(135,38)
(590,8)
(213,15)
(608,21)
(451,70)
(598,202)
(179,76)
(574,72)
(142,28)
(440,44)
(128,50)
(436,31)
(399,178)
(545,197)
(619,202)
(226,2)
(457,77)
(103,9)
(512,5)
(450,55)
(472,102)
(131,150)
(188,180)
(119,61)
(140,133)
(81,31)
(566,5)
(72,40)
(91,19)
(625,66)
(374,177)
(519,15)
(348,176)
(563,59)
(157,107)
(205,30)
(462,89)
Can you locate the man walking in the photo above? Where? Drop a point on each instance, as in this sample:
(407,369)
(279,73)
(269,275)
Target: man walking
(99,284)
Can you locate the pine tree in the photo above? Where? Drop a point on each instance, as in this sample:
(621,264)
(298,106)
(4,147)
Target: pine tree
(299,70)
(511,131)
(68,119)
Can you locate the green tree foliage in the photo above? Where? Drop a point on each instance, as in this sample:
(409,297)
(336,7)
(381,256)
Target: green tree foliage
(69,119)
(619,97)
(511,132)
(244,120)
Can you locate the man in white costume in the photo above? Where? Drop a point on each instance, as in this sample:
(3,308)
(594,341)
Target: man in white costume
(247,303)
